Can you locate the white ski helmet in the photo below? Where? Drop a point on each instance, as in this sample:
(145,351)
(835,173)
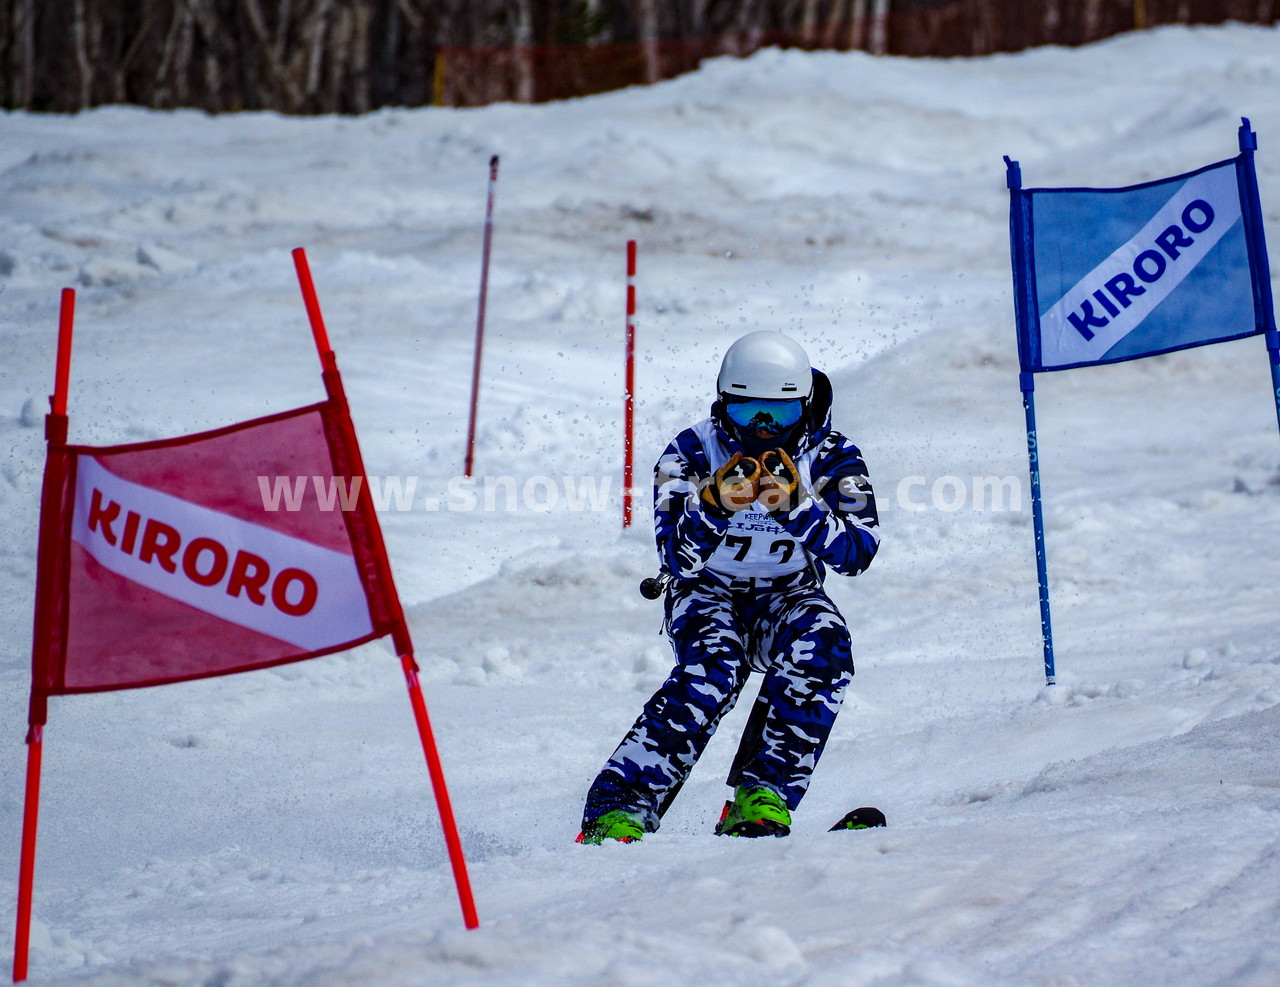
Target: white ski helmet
(765,364)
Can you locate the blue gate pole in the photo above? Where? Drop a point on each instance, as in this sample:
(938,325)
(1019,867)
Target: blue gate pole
(1028,356)
(1273,351)
(1260,267)
(1028,383)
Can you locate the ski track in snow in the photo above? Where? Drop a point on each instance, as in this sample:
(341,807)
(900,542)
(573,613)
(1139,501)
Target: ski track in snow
(277,827)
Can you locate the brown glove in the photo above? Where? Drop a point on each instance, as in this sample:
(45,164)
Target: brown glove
(779,481)
(733,488)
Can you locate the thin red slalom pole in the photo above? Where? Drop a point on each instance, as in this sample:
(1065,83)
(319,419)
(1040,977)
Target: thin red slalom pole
(629,397)
(56,434)
(436,770)
(312,302)
(62,376)
(27,868)
(334,384)
(480,313)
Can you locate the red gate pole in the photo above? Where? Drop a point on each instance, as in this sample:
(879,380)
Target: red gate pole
(400,634)
(61,382)
(447,822)
(56,435)
(27,868)
(629,397)
(484,295)
(312,302)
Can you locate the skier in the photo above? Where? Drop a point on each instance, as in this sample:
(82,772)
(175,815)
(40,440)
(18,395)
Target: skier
(752,506)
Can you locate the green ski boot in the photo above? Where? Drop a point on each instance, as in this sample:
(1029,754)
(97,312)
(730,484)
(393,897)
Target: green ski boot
(756,811)
(616,825)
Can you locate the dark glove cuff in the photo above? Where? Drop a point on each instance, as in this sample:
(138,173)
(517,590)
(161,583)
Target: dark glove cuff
(714,510)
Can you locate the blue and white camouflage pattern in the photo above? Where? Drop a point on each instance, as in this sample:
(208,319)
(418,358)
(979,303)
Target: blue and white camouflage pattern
(746,595)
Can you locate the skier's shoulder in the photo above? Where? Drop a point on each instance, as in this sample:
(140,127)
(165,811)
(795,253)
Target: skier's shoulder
(700,438)
(692,445)
(834,447)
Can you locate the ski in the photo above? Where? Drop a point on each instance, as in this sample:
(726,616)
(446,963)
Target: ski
(863,818)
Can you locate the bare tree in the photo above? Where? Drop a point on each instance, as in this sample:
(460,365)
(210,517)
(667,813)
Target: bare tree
(809,23)
(858,24)
(878,38)
(649,32)
(21,53)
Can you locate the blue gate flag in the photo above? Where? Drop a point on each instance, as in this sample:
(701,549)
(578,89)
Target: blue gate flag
(1112,274)
(1106,275)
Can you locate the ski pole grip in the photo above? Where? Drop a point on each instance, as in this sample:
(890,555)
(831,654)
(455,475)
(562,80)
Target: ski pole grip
(654,586)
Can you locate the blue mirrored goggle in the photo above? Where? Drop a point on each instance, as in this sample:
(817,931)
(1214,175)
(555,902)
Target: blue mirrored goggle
(761,414)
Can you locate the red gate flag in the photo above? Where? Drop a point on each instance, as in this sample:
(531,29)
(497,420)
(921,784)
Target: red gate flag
(234,549)
(210,554)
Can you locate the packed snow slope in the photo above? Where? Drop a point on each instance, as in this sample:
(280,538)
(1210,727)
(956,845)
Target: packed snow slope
(277,827)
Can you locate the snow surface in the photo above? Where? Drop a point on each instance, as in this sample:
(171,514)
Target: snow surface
(277,827)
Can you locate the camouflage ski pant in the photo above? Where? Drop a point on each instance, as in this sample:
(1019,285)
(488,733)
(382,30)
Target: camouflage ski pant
(786,628)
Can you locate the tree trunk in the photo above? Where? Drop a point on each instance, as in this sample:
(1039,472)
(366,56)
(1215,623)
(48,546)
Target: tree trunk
(83,98)
(361,39)
(809,24)
(648,15)
(312,51)
(878,41)
(985,41)
(1052,22)
(22,53)
(1092,20)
